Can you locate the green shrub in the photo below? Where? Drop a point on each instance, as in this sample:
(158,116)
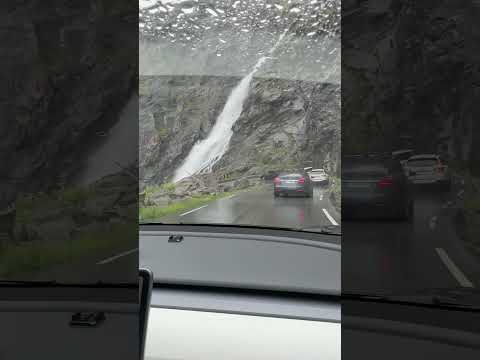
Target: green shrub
(23,259)
(162,133)
(169,187)
(149,213)
(75,196)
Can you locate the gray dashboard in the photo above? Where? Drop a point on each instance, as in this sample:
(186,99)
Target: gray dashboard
(36,323)
(266,305)
(274,292)
(269,260)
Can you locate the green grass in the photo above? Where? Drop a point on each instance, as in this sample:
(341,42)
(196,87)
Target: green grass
(149,213)
(28,206)
(162,133)
(75,196)
(152,189)
(336,189)
(28,258)
(169,187)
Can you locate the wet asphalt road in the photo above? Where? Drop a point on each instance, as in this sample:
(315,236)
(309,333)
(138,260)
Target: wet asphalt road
(259,207)
(388,256)
(377,256)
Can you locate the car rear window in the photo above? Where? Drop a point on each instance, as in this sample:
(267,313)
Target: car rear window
(359,171)
(291,176)
(423,162)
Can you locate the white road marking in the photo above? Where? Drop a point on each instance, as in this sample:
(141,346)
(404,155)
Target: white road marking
(454,270)
(329,217)
(189,212)
(321,195)
(113,258)
(433,222)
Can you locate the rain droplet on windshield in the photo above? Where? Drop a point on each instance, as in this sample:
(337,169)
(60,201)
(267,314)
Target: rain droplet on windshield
(211,12)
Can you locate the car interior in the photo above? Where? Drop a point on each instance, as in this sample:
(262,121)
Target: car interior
(69,321)
(414,331)
(275,292)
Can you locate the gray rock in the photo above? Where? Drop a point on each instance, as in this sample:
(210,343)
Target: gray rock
(283,124)
(242,184)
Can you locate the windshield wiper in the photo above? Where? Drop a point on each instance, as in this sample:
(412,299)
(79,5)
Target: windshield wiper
(430,301)
(33,283)
(27,282)
(324,229)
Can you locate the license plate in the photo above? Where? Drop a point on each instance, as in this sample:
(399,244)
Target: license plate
(290,181)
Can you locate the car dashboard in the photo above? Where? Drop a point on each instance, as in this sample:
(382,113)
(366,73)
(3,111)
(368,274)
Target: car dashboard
(43,322)
(206,324)
(223,293)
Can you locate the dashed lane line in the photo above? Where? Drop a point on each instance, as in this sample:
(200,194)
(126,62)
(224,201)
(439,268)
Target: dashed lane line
(329,217)
(454,270)
(191,211)
(113,258)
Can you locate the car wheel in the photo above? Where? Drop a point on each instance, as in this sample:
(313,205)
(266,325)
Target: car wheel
(275,194)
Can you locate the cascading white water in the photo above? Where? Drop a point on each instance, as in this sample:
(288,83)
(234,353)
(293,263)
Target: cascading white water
(207,152)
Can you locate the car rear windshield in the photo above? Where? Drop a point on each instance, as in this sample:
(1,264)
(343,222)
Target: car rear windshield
(423,162)
(367,170)
(291,176)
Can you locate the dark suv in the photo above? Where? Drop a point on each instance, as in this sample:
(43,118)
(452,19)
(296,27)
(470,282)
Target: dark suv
(375,186)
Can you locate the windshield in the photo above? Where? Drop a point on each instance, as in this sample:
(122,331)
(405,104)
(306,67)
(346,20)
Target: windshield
(291,177)
(411,234)
(234,94)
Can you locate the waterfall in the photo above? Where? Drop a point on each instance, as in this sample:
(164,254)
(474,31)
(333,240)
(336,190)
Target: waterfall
(207,152)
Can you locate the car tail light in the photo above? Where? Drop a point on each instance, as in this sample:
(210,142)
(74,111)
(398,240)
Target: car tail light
(277,180)
(385,182)
(301,180)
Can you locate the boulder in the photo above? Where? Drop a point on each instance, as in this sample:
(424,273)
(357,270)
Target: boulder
(242,184)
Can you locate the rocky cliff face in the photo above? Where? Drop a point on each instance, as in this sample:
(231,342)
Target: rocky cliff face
(175,113)
(194,52)
(284,124)
(65,66)
(412,76)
